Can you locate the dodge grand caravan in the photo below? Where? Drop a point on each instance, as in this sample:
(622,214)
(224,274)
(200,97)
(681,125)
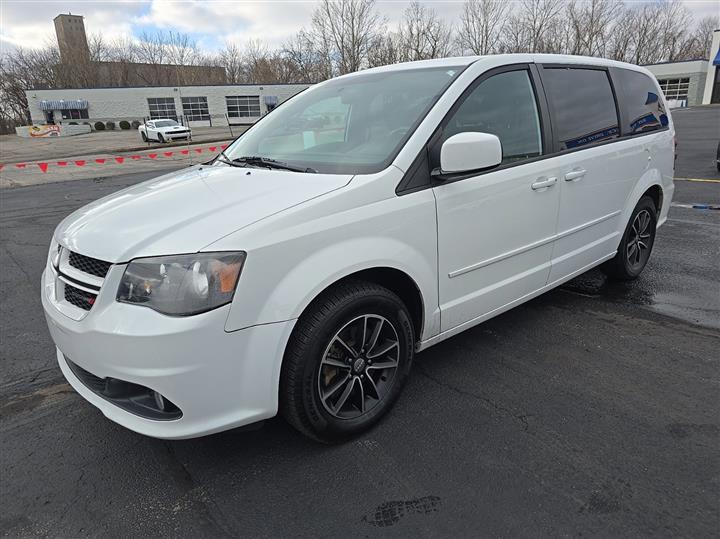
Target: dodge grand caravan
(362,221)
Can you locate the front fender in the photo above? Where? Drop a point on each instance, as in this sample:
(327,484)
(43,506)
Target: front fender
(289,297)
(290,264)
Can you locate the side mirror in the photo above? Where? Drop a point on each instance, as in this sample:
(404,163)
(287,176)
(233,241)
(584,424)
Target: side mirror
(470,151)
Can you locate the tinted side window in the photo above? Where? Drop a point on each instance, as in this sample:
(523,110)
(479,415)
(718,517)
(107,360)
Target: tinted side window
(583,106)
(503,105)
(644,108)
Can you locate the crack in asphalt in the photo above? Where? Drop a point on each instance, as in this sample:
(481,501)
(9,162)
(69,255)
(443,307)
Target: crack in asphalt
(187,483)
(19,266)
(522,418)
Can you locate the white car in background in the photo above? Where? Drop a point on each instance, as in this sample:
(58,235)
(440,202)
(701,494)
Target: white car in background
(164,130)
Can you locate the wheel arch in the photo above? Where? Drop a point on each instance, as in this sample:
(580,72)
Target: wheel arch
(395,280)
(656,193)
(650,184)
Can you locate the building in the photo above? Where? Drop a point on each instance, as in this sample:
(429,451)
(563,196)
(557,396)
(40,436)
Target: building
(77,69)
(72,41)
(712,82)
(692,82)
(683,83)
(195,105)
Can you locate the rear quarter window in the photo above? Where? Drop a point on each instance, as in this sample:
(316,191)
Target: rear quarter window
(583,106)
(643,105)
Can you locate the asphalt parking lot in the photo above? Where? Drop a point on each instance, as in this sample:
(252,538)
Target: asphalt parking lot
(592,410)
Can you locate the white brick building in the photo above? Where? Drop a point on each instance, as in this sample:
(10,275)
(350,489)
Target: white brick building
(198,105)
(682,81)
(695,81)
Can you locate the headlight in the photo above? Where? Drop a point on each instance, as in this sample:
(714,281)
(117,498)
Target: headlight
(182,285)
(54,253)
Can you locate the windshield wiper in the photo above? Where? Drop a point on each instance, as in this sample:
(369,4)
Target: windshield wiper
(224,159)
(257,161)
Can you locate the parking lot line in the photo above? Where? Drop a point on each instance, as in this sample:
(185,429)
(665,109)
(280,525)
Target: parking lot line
(704,180)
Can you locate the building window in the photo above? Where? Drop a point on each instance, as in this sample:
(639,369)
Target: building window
(74,114)
(195,108)
(243,106)
(162,107)
(675,88)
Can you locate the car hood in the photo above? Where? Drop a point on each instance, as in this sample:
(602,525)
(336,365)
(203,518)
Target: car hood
(187,210)
(171,128)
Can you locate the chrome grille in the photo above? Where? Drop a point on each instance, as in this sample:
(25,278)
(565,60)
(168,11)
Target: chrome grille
(90,265)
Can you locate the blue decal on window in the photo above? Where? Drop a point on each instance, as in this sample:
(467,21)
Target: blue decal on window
(651,98)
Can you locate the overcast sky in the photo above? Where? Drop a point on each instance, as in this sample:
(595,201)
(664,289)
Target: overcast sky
(28,23)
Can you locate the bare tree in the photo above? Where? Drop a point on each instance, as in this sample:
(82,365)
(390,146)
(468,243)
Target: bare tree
(675,21)
(344,31)
(657,32)
(482,23)
(423,35)
(699,42)
(307,62)
(590,22)
(386,49)
(21,70)
(621,41)
(231,59)
(536,18)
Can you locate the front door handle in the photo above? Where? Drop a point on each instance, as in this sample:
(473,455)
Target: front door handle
(575,175)
(542,184)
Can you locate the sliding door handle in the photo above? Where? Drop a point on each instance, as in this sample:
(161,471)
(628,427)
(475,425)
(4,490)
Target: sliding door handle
(575,175)
(542,184)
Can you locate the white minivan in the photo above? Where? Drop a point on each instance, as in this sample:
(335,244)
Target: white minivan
(362,221)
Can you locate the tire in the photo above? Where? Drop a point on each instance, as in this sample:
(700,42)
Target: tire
(631,257)
(318,370)
(161,139)
(144,136)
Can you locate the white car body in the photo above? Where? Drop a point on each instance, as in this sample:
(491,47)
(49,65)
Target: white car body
(472,248)
(164,130)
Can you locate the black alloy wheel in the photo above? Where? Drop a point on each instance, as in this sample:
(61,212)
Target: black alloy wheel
(346,361)
(636,244)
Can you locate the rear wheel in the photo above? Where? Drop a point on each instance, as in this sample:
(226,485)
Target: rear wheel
(346,362)
(636,244)
(144,136)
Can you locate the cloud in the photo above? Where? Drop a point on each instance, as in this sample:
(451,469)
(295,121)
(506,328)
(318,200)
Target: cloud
(30,24)
(218,21)
(211,22)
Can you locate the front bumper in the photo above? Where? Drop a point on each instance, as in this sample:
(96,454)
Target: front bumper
(181,135)
(218,379)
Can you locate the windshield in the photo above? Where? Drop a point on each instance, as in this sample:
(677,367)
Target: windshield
(354,125)
(165,123)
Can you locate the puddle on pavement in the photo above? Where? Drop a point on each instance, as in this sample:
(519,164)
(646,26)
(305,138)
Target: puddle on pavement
(702,310)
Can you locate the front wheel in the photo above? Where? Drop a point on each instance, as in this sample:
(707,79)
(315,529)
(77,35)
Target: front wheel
(636,244)
(161,139)
(346,361)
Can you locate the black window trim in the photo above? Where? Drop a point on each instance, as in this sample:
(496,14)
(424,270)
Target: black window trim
(547,121)
(546,133)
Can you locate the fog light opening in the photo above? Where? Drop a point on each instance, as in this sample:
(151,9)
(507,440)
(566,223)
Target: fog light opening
(159,401)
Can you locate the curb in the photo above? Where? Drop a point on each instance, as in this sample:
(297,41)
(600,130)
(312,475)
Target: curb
(119,151)
(119,159)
